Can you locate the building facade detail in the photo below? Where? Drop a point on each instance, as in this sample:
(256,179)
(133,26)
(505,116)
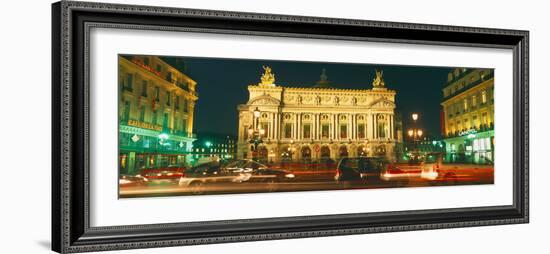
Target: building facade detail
(468,116)
(318,122)
(156,110)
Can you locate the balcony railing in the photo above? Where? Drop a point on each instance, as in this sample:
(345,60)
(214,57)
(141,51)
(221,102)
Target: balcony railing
(470,85)
(186,88)
(127,88)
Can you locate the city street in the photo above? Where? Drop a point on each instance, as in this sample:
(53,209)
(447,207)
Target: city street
(463,174)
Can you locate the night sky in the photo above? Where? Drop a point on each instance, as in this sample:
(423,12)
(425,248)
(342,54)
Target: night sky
(222,85)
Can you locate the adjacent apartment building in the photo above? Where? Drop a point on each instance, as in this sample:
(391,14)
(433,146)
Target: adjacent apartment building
(155,113)
(468,116)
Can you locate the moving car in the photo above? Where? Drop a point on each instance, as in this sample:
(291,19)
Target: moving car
(206,173)
(253,171)
(420,167)
(360,170)
(434,170)
(235,172)
(131,181)
(369,170)
(164,175)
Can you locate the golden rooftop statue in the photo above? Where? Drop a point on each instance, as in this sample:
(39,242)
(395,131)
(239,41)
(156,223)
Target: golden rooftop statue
(378,81)
(268,78)
(323,81)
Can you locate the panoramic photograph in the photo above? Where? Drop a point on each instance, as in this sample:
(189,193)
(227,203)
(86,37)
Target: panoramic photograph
(204,126)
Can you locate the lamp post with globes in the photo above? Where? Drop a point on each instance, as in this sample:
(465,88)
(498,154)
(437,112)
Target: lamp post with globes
(415,133)
(255,132)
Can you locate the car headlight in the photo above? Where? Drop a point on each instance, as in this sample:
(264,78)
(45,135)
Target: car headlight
(289,175)
(124,181)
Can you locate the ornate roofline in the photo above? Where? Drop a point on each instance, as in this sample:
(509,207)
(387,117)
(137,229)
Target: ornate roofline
(332,89)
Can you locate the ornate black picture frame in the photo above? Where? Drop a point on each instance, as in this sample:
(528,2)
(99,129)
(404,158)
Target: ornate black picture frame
(71,230)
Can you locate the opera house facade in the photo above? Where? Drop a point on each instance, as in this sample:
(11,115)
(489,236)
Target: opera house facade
(324,121)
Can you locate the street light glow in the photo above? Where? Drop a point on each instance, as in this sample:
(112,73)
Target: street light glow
(419,132)
(410,132)
(415,116)
(208,144)
(256,112)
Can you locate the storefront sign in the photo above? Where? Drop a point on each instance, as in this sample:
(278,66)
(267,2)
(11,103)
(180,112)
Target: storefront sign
(144,125)
(467,132)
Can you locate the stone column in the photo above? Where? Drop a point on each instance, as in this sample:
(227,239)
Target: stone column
(350,127)
(392,131)
(318,129)
(297,118)
(273,125)
(331,129)
(299,126)
(269,126)
(337,126)
(276,128)
(368,130)
(375,129)
(355,126)
(389,126)
(314,127)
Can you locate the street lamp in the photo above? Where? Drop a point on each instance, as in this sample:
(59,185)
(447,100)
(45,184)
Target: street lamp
(415,133)
(256,132)
(256,113)
(291,151)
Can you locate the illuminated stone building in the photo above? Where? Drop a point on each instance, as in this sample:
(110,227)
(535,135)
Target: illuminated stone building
(468,116)
(155,113)
(317,122)
(213,144)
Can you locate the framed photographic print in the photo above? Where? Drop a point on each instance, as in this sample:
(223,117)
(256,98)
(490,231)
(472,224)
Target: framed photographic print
(182,126)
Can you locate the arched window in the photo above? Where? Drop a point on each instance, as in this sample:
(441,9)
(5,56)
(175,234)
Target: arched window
(325,152)
(306,152)
(343,152)
(382,126)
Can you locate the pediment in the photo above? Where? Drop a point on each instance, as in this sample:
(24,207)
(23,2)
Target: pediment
(382,103)
(264,100)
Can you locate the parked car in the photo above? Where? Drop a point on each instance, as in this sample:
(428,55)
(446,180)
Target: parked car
(131,181)
(163,175)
